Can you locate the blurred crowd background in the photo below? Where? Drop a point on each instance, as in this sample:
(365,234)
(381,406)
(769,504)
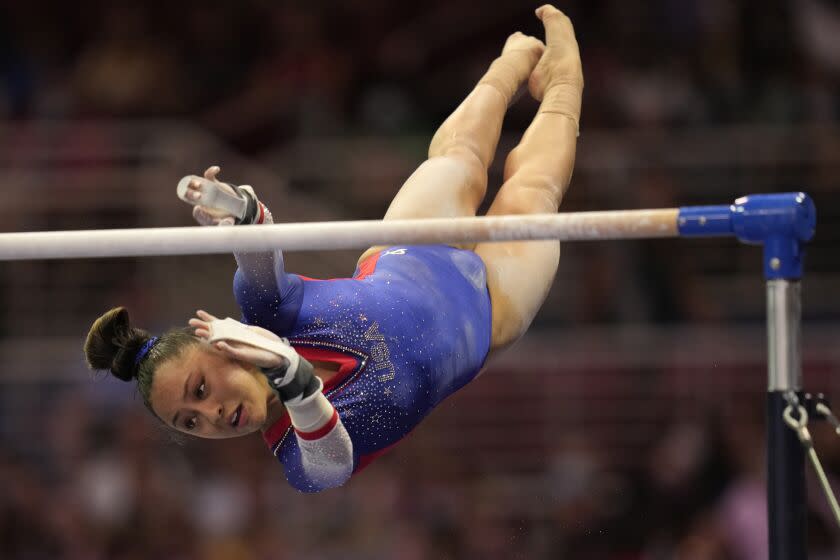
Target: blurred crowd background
(637,432)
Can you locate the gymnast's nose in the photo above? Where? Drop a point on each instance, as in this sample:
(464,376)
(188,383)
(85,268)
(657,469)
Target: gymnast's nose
(213,411)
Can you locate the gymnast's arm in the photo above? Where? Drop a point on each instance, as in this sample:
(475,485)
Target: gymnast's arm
(262,274)
(261,284)
(326,450)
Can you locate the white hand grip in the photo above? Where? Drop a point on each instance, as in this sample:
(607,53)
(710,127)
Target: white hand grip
(231,329)
(212,196)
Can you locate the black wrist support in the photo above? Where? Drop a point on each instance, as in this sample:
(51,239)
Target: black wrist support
(303,384)
(251,210)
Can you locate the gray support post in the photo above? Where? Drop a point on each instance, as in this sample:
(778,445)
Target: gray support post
(786,501)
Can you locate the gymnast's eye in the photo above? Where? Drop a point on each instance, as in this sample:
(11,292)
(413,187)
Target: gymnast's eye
(201,390)
(189,425)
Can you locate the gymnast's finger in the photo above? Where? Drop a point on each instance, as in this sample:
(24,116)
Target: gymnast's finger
(230,350)
(202,333)
(205,316)
(211,172)
(202,216)
(199,324)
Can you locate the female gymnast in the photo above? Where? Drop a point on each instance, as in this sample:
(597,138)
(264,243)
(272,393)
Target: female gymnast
(364,359)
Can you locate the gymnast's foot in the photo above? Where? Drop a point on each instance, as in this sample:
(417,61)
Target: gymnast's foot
(522,52)
(513,67)
(557,80)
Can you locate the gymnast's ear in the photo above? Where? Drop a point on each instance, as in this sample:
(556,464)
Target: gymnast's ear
(112,344)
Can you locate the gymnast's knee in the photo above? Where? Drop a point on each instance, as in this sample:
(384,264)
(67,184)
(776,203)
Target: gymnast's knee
(527,195)
(468,163)
(461,149)
(509,323)
(507,331)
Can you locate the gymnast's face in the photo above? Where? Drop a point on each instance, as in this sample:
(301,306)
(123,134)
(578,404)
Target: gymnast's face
(204,393)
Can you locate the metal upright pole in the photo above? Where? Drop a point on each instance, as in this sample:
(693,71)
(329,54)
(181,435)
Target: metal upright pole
(786,506)
(782,223)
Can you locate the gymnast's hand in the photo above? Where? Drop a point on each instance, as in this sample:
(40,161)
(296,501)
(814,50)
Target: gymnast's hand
(205,215)
(238,350)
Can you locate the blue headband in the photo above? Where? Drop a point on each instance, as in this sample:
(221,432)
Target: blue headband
(144,350)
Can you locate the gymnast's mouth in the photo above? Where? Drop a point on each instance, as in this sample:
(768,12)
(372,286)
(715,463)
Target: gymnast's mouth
(237,416)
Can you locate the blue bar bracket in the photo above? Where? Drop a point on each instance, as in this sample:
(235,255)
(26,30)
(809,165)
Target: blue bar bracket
(781,222)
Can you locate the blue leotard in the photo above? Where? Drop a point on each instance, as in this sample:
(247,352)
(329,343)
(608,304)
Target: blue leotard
(411,327)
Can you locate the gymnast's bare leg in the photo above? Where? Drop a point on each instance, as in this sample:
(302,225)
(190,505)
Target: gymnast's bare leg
(537,174)
(453,181)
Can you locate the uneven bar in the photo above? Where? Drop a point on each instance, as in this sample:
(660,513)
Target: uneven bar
(572,226)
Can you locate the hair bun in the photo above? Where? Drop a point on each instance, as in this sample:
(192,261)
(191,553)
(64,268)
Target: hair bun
(113,343)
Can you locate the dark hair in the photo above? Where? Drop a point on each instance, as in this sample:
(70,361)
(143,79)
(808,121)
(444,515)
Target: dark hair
(112,344)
